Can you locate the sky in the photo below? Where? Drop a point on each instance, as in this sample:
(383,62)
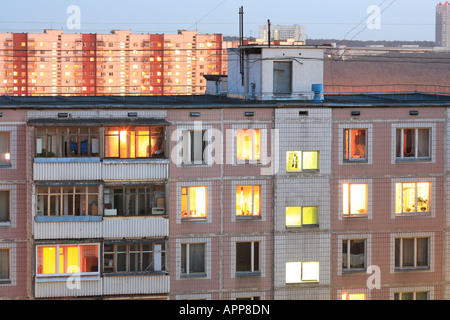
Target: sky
(402,20)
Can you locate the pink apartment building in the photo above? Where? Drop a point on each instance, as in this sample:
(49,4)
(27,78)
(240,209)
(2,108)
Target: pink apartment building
(273,192)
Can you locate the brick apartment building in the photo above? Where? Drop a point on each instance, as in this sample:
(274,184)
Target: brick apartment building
(273,192)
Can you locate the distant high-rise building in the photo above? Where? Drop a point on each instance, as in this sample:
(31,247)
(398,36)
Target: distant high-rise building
(442,25)
(283,32)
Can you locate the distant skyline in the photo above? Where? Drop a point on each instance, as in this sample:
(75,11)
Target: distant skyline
(403,20)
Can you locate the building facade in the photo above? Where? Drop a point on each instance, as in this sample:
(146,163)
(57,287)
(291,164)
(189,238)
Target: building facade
(442,25)
(223,198)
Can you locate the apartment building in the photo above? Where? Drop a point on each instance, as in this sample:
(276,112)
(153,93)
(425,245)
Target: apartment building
(119,63)
(274,192)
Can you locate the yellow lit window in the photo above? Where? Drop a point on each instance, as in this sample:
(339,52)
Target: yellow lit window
(248,201)
(67,259)
(353,296)
(301,216)
(354,199)
(412,197)
(298,272)
(297,161)
(355,142)
(193,202)
(248,144)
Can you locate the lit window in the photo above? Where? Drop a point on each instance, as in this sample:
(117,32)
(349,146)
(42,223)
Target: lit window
(298,272)
(194,145)
(193,202)
(134,200)
(134,257)
(67,259)
(412,253)
(134,142)
(5,265)
(353,296)
(5,155)
(354,255)
(248,145)
(4,206)
(192,258)
(247,256)
(301,216)
(413,144)
(248,201)
(355,143)
(297,161)
(354,199)
(412,197)
(67,201)
(415,295)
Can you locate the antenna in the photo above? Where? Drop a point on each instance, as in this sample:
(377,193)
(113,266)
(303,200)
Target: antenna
(241,41)
(268,31)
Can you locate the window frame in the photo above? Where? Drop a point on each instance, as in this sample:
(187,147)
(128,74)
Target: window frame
(187,158)
(65,135)
(255,258)
(349,214)
(57,260)
(112,257)
(301,162)
(253,159)
(252,215)
(398,295)
(8,196)
(416,198)
(7,155)
(187,216)
(186,252)
(9,271)
(399,250)
(346,244)
(60,195)
(416,144)
(126,196)
(301,218)
(133,131)
(347,150)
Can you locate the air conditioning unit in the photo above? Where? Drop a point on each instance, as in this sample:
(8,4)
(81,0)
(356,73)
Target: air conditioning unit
(110,212)
(158,210)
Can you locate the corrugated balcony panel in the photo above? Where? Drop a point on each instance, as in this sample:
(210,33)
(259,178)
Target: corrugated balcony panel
(68,230)
(135,227)
(57,171)
(69,287)
(135,170)
(136,284)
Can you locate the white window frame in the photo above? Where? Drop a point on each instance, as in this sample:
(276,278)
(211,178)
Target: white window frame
(301,166)
(415,267)
(252,257)
(430,201)
(416,144)
(299,272)
(187,253)
(348,142)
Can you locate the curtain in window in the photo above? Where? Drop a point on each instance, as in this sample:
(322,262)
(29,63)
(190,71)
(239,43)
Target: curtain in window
(197,258)
(424,142)
(4,264)
(408,252)
(422,252)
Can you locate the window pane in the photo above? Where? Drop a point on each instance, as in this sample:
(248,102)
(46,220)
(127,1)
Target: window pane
(345,198)
(409,197)
(358,198)
(69,259)
(421,295)
(243,256)
(408,252)
(293,161)
(197,202)
(310,216)
(310,160)
(5,155)
(244,200)
(293,216)
(112,146)
(121,258)
(4,206)
(89,258)
(248,144)
(282,77)
(293,272)
(409,143)
(46,260)
(423,197)
(4,264)
(256,200)
(423,148)
(398,140)
(422,252)
(197,258)
(357,254)
(358,144)
(345,254)
(398,198)
(142,142)
(310,271)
